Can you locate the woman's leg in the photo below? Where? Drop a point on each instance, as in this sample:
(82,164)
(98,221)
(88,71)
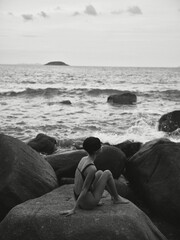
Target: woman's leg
(106,179)
(97,176)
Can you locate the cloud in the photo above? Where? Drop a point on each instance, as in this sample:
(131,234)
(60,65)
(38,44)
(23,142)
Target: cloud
(10,13)
(57,8)
(27,17)
(30,35)
(118,12)
(30,17)
(43,14)
(134,10)
(76,13)
(90,10)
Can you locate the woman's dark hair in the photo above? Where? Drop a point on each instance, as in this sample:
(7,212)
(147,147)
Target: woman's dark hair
(91,144)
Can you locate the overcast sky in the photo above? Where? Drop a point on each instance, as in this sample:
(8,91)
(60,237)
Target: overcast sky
(91,32)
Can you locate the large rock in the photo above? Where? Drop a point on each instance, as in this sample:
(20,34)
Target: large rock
(64,164)
(154,173)
(40,219)
(43,144)
(111,158)
(169,122)
(24,174)
(129,147)
(123,98)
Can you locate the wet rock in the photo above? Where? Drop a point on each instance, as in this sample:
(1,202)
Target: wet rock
(66,102)
(169,122)
(124,98)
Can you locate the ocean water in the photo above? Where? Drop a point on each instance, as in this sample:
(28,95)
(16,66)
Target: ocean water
(31,102)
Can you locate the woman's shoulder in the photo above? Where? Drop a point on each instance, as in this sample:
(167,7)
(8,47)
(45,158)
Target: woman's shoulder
(85,163)
(82,162)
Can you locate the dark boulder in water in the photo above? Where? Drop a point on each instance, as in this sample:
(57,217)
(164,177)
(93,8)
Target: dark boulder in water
(169,122)
(41,219)
(154,173)
(57,63)
(66,102)
(43,144)
(24,174)
(123,98)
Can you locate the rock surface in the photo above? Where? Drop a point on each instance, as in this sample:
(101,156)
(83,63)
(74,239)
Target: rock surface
(154,172)
(43,144)
(129,148)
(169,122)
(124,98)
(65,164)
(111,158)
(24,174)
(40,219)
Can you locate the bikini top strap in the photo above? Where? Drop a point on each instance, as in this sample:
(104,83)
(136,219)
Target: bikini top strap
(85,169)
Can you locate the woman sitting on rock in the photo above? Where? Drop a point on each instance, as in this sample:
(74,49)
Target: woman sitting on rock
(89,184)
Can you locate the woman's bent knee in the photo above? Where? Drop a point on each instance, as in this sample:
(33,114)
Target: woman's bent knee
(107,173)
(99,172)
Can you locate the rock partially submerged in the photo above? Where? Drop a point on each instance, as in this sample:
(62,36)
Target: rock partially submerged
(123,98)
(66,102)
(40,219)
(169,122)
(24,174)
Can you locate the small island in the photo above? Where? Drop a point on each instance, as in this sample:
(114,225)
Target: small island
(57,63)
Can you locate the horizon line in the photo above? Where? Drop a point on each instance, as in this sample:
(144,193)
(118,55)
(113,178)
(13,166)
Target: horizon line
(128,66)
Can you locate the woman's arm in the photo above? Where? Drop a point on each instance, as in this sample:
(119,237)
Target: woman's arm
(85,188)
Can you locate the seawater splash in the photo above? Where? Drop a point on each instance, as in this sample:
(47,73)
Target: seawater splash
(175,136)
(134,134)
(140,132)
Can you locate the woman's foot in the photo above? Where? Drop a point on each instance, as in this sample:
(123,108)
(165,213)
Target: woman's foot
(120,200)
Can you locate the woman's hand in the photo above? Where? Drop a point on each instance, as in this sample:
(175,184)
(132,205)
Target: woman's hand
(68,212)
